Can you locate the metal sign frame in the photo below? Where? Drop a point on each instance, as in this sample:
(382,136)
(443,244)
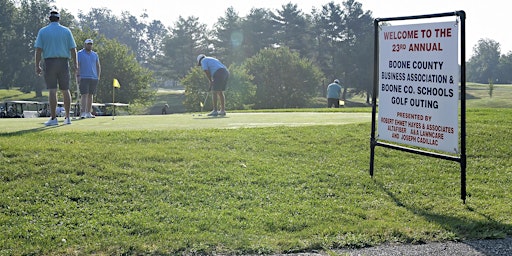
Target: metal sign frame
(461,159)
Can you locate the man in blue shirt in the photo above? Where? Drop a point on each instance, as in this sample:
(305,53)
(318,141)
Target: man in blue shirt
(218,76)
(90,71)
(334,94)
(56,45)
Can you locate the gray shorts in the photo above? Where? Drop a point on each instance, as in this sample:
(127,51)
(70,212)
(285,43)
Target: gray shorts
(220,80)
(88,86)
(56,72)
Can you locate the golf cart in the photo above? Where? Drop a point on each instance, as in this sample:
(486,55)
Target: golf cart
(15,109)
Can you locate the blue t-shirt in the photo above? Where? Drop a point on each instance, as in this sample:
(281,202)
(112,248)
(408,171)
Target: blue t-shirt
(55,40)
(211,64)
(334,91)
(87,64)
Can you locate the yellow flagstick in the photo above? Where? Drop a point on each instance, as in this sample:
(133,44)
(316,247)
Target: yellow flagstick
(115,85)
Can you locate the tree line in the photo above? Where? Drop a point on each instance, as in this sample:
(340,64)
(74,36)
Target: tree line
(278,58)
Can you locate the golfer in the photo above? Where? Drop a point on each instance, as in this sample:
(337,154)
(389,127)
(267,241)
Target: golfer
(334,94)
(90,72)
(218,76)
(56,45)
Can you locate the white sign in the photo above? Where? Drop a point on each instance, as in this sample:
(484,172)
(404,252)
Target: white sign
(419,85)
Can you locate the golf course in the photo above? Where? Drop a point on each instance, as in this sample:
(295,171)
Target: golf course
(248,183)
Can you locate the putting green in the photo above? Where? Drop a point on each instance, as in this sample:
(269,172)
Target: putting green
(186,121)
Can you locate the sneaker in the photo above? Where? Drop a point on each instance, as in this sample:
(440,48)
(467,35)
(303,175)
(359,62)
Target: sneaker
(51,122)
(83,115)
(67,120)
(213,113)
(89,115)
(222,113)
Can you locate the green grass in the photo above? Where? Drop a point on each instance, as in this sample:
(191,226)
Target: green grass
(255,182)
(16,94)
(478,96)
(280,182)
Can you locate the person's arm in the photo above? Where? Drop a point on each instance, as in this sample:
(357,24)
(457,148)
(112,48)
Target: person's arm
(38,54)
(209,76)
(72,51)
(98,68)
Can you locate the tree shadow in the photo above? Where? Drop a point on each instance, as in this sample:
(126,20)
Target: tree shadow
(487,228)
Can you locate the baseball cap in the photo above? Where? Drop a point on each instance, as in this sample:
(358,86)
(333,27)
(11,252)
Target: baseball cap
(54,14)
(88,41)
(337,81)
(199,58)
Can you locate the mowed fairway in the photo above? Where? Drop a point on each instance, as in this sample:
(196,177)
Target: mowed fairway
(248,183)
(188,121)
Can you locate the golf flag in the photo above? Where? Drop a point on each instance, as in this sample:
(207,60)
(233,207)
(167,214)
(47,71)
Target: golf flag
(116,84)
(200,103)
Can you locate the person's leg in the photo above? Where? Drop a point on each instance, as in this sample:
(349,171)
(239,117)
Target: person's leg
(220,79)
(63,80)
(83,105)
(89,102)
(67,101)
(222,98)
(51,79)
(214,100)
(52,99)
(90,98)
(214,103)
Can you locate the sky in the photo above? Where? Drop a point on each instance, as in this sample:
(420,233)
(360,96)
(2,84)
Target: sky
(484,19)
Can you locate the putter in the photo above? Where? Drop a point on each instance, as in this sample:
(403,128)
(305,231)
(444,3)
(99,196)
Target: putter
(204,102)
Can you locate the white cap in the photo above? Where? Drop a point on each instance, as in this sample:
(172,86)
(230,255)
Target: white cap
(88,41)
(337,81)
(199,58)
(54,14)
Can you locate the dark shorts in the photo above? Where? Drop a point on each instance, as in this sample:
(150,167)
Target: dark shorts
(220,80)
(56,72)
(88,86)
(333,102)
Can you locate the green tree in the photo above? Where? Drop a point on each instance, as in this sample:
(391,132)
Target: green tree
(142,36)
(8,12)
(292,29)
(196,89)
(345,45)
(27,18)
(188,38)
(483,65)
(240,89)
(328,27)
(504,75)
(258,31)
(283,78)
(228,37)
(118,62)
(357,51)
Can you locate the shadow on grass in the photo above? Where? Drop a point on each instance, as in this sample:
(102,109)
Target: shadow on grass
(470,96)
(21,132)
(465,228)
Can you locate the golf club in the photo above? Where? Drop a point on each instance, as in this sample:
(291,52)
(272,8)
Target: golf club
(204,102)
